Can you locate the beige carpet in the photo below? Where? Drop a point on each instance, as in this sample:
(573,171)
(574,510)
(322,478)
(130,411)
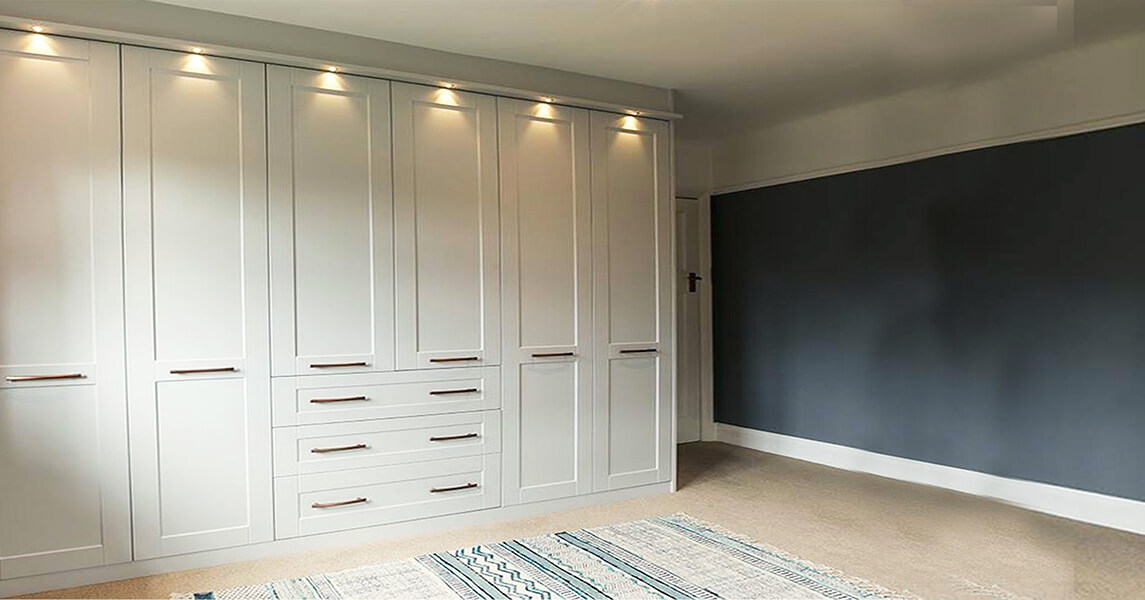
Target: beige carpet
(935,543)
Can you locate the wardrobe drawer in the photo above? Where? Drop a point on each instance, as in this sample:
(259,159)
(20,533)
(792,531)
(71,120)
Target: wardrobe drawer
(310,504)
(339,446)
(314,399)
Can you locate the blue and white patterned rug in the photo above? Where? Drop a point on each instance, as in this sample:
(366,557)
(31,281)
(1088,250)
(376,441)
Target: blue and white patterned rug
(663,557)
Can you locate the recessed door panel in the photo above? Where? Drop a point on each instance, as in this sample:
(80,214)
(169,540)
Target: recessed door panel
(198,342)
(331,222)
(63,442)
(547,248)
(632,288)
(445,184)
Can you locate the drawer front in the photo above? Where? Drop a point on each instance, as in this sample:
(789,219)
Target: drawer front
(315,399)
(311,504)
(340,446)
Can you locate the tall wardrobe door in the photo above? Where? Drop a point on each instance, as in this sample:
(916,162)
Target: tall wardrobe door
(547,251)
(331,223)
(63,422)
(632,283)
(446,230)
(196,280)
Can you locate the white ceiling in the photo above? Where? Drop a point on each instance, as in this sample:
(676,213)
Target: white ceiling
(734,63)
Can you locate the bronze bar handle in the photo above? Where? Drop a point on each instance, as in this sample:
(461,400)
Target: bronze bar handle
(458,359)
(211,370)
(346,399)
(447,392)
(551,354)
(44,377)
(446,438)
(336,365)
(452,489)
(640,351)
(342,503)
(338,449)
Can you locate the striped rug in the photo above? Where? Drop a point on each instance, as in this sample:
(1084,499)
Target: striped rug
(663,557)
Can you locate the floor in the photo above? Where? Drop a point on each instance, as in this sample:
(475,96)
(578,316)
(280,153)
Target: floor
(931,542)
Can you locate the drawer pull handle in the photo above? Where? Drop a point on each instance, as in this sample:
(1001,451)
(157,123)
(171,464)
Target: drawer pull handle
(447,392)
(337,365)
(210,370)
(342,503)
(551,354)
(457,359)
(339,449)
(44,377)
(446,438)
(640,351)
(467,486)
(330,400)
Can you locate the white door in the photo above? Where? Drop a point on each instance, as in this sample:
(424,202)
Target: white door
(63,421)
(196,290)
(632,288)
(331,223)
(688,282)
(446,230)
(546,243)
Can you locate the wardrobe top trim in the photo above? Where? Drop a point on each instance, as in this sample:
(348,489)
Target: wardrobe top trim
(161,43)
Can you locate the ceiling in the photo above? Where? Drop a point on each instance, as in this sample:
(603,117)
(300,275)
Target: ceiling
(734,63)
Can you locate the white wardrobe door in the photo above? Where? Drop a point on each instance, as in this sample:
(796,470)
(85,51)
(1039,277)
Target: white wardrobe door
(446,230)
(546,249)
(631,199)
(63,437)
(196,280)
(331,222)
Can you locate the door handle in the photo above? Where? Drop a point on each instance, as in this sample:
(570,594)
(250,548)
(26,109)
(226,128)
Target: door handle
(211,370)
(337,365)
(457,359)
(452,489)
(330,400)
(339,449)
(447,392)
(551,354)
(446,438)
(44,377)
(342,503)
(692,279)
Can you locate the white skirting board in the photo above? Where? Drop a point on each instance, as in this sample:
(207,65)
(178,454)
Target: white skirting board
(53,581)
(1088,507)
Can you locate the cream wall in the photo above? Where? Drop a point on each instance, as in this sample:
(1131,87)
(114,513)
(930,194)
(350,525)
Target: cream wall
(1079,88)
(693,168)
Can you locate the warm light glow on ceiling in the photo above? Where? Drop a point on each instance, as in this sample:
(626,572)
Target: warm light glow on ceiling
(38,28)
(332,69)
(448,85)
(197,50)
(634,113)
(547,99)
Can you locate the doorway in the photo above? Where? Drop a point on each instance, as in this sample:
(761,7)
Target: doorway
(688,285)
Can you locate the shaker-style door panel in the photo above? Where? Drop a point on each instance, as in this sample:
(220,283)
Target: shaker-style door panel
(547,248)
(63,441)
(446,230)
(631,196)
(331,223)
(196,281)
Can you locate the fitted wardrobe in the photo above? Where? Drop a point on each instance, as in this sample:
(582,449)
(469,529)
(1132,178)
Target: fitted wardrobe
(244,303)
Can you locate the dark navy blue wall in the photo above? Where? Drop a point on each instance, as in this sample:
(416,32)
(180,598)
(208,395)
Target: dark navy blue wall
(983,310)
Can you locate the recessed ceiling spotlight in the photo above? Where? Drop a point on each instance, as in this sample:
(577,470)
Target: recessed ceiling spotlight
(448,85)
(634,113)
(38,28)
(332,69)
(547,99)
(197,50)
